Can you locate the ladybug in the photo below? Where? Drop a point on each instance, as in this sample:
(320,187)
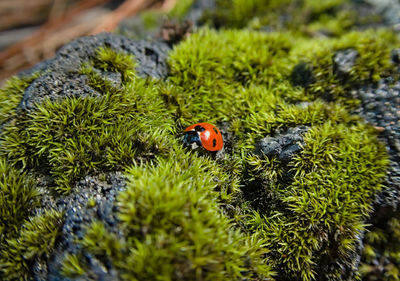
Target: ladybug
(203,135)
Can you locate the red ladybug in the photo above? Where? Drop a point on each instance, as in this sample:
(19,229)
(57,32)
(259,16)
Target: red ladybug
(205,135)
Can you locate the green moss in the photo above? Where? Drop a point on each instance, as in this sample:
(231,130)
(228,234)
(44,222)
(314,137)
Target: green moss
(220,76)
(75,136)
(18,197)
(322,210)
(374,47)
(23,236)
(309,17)
(237,13)
(211,71)
(333,26)
(71,266)
(372,63)
(173,229)
(37,236)
(321,7)
(320,200)
(180,9)
(109,60)
(186,215)
(11,95)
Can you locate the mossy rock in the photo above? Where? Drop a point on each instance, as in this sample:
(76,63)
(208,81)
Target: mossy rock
(96,184)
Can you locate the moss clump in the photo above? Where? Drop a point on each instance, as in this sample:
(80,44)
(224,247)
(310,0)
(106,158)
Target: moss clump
(322,210)
(173,229)
(35,241)
(11,95)
(24,236)
(221,76)
(75,136)
(19,197)
(372,62)
(237,14)
(108,60)
(210,70)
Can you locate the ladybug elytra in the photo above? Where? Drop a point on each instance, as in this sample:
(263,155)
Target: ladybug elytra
(203,135)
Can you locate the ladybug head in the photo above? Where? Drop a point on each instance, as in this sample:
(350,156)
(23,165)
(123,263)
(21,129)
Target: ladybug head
(191,139)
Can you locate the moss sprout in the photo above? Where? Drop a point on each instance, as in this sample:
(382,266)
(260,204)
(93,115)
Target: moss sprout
(71,266)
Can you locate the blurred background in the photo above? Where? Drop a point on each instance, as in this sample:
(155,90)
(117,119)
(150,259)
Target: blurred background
(33,30)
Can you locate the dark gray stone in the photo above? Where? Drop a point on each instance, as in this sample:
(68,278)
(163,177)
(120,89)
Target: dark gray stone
(290,151)
(344,61)
(60,75)
(282,145)
(196,11)
(79,215)
(380,106)
(268,146)
(389,10)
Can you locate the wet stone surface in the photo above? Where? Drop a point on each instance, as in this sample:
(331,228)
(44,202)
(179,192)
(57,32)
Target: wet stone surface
(60,75)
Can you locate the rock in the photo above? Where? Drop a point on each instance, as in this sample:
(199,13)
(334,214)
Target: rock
(197,9)
(388,9)
(60,76)
(78,215)
(380,106)
(283,146)
(344,61)
(268,146)
(287,154)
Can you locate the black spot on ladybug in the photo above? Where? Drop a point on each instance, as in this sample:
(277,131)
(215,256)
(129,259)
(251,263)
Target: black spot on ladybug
(215,130)
(199,128)
(214,142)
